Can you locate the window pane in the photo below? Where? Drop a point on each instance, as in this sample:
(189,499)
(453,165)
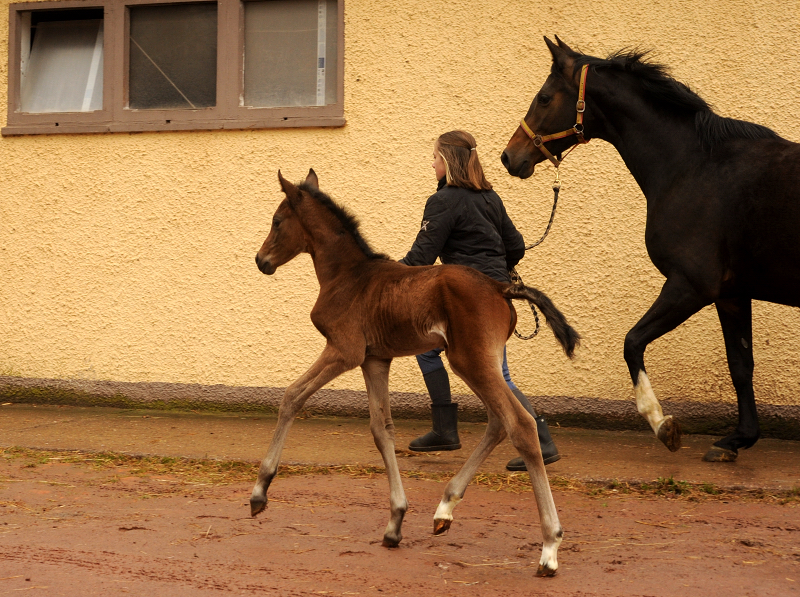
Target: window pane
(290,53)
(173,56)
(64,72)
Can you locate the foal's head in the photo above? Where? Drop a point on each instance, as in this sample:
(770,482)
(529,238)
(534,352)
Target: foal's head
(287,238)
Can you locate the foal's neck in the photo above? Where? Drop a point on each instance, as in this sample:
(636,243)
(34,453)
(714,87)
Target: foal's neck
(335,260)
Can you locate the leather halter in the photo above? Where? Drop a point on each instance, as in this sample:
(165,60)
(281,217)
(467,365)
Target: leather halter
(580,106)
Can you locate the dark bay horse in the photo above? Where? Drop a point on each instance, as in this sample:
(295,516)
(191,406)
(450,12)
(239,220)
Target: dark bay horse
(371,309)
(723,206)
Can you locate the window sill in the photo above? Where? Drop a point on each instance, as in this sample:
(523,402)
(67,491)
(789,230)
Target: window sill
(56,127)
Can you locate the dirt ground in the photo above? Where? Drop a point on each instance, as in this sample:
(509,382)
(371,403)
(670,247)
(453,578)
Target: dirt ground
(85,524)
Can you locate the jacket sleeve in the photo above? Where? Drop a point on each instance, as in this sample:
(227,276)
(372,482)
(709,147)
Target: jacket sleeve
(437,223)
(512,241)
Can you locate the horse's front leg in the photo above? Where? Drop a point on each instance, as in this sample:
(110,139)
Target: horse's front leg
(677,302)
(454,492)
(376,376)
(328,366)
(735,315)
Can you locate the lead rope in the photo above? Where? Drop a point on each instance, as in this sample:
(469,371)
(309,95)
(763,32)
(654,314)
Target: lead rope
(516,279)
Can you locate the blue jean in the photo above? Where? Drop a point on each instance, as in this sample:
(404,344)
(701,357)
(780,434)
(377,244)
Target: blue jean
(432,361)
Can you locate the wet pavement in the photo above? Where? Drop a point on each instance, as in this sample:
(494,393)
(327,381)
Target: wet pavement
(587,455)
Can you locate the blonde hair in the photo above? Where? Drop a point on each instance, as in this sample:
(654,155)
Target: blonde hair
(462,166)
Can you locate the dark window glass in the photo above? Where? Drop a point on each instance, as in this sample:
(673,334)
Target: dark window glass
(173,56)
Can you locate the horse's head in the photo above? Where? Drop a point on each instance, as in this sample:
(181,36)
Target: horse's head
(286,239)
(553,110)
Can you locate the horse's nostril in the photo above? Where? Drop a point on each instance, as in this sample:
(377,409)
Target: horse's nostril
(504,159)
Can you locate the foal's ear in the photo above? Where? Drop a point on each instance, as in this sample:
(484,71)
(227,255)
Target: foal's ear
(288,188)
(563,56)
(312,180)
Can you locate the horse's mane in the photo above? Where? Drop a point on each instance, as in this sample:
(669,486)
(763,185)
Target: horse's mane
(661,87)
(349,221)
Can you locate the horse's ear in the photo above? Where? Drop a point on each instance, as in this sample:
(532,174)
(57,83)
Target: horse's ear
(566,48)
(288,188)
(563,59)
(312,180)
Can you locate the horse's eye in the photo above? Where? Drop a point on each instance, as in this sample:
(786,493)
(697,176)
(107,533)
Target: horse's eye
(544,99)
(276,223)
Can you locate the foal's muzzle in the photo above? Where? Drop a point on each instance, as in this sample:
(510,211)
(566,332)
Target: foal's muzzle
(265,265)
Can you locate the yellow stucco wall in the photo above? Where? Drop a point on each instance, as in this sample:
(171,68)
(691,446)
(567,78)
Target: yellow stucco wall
(129,257)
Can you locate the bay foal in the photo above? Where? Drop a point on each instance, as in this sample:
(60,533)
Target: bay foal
(371,309)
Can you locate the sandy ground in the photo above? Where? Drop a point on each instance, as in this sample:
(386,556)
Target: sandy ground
(75,522)
(73,529)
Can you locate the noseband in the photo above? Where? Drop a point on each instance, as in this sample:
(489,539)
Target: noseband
(540,140)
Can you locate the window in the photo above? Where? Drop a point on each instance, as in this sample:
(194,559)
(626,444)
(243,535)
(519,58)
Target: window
(139,65)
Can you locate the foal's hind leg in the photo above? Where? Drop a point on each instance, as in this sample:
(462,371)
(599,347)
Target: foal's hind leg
(454,492)
(521,429)
(735,315)
(328,366)
(677,302)
(376,375)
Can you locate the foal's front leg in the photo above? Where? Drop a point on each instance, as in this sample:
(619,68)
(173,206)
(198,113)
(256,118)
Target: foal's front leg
(328,366)
(376,375)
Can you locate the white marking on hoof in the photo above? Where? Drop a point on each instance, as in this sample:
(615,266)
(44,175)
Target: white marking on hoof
(445,509)
(548,564)
(647,403)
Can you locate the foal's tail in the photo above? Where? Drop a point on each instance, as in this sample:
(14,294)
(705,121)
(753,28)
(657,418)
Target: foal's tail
(564,332)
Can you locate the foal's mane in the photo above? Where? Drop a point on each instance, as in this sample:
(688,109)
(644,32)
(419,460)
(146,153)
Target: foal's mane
(348,221)
(661,87)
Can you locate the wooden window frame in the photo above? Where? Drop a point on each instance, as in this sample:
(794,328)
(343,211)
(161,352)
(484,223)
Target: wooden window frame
(117,117)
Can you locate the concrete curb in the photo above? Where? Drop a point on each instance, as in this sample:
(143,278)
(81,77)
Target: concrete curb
(779,421)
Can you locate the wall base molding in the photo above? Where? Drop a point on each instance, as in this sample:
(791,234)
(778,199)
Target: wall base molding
(716,418)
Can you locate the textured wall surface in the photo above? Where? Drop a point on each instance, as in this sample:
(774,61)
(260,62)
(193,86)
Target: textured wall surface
(129,257)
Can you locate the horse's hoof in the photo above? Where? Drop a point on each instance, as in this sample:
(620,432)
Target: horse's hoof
(257,506)
(390,542)
(441,525)
(669,432)
(545,571)
(717,454)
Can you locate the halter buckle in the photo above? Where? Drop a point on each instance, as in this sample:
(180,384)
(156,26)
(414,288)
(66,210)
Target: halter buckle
(580,106)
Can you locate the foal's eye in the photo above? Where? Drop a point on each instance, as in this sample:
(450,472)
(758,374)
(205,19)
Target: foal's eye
(544,99)
(276,223)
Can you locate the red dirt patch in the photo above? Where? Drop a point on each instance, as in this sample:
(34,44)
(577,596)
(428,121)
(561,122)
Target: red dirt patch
(76,529)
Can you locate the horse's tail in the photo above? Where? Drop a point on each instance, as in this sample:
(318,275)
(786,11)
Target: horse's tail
(564,332)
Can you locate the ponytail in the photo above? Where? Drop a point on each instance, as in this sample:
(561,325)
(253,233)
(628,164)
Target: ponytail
(462,166)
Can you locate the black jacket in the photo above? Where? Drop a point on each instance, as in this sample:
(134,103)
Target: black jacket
(466,227)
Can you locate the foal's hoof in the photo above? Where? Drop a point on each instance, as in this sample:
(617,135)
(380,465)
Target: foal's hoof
(669,432)
(441,525)
(545,571)
(390,542)
(717,454)
(257,506)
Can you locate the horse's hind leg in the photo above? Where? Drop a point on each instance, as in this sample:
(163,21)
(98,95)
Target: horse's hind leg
(328,366)
(454,492)
(376,375)
(677,302)
(735,315)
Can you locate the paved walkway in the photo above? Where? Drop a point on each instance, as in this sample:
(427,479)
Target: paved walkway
(587,454)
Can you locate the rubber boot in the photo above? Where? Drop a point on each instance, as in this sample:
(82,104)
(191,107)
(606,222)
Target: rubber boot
(444,436)
(549,451)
